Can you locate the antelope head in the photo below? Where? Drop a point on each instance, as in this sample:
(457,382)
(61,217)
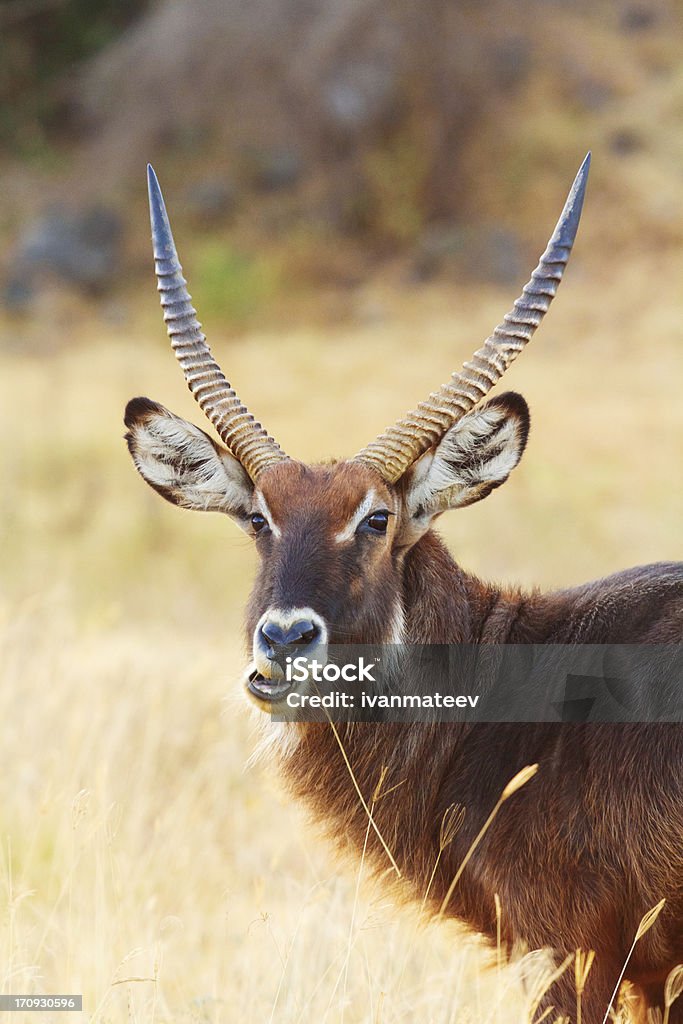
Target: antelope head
(332,539)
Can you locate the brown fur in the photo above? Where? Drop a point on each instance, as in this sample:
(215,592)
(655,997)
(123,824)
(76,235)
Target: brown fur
(310,568)
(587,846)
(593,842)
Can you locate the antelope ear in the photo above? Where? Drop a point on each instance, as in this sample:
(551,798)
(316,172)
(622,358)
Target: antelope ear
(184,464)
(473,457)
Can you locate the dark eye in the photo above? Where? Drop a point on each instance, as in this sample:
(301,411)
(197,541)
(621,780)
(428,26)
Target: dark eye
(378,521)
(258,522)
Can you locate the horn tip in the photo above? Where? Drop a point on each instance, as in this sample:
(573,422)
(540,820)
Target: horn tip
(162,239)
(153,187)
(582,176)
(571,215)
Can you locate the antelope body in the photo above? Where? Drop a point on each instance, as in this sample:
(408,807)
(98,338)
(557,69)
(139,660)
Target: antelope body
(348,554)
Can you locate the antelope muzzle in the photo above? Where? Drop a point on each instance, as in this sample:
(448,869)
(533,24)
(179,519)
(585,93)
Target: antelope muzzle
(280,636)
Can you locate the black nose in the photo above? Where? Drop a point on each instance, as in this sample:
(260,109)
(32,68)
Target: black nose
(304,632)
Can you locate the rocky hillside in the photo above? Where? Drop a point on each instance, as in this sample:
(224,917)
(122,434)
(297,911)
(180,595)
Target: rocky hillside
(434,132)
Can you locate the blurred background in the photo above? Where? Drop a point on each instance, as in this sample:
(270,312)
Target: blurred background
(358,193)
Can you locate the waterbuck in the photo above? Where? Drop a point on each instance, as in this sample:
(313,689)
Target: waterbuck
(348,554)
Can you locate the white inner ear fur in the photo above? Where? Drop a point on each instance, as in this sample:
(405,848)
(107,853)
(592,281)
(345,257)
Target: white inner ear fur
(189,468)
(476,454)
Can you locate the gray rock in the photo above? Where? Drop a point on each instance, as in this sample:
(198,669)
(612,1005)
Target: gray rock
(592,93)
(495,254)
(81,248)
(211,200)
(625,141)
(270,170)
(359,96)
(487,253)
(637,18)
(513,61)
(17,294)
(440,244)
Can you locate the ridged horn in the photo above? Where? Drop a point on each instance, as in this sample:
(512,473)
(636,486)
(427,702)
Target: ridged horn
(235,425)
(398,447)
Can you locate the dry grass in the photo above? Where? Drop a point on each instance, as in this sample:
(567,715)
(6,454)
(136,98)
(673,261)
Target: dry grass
(141,865)
(139,862)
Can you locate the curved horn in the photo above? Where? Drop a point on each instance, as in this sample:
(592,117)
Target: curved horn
(398,447)
(236,427)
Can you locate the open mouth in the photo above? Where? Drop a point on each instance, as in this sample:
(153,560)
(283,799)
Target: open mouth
(267,690)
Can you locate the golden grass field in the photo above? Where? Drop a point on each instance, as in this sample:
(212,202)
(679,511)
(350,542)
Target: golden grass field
(141,862)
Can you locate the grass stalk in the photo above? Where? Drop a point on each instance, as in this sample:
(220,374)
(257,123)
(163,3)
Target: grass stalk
(516,783)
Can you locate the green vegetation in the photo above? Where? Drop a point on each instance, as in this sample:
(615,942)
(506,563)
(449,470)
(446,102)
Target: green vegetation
(231,286)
